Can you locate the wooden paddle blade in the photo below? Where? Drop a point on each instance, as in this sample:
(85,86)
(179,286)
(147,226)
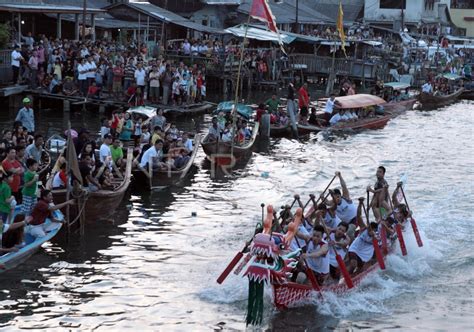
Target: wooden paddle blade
(417,234)
(344,272)
(383,235)
(378,253)
(312,279)
(403,247)
(230,267)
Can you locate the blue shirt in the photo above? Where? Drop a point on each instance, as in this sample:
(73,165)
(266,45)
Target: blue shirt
(27,118)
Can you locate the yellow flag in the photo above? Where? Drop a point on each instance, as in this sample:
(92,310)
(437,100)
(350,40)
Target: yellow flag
(340,28)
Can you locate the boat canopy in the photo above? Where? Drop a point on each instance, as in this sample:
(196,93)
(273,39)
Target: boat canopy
(145,111)
(359,101)
(452,77)
(397,85)
(227,106)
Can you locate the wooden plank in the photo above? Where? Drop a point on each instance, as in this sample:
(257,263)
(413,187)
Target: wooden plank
(12,90)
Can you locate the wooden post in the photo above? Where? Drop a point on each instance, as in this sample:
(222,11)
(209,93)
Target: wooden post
(101,109)
(58,26)
(76,27)
(19,28)
(93,27)
(66,105)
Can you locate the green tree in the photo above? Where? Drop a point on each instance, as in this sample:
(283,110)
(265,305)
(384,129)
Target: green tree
(4,35)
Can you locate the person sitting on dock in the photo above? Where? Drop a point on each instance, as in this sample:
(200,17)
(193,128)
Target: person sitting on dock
(26,116)
(94,91)
(35,150)
(69,88)
(42,210)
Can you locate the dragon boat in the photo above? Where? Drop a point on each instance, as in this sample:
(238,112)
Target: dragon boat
(270,262)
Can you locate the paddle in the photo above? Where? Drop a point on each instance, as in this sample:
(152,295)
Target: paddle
(375,243)
(398,229)
(413,222)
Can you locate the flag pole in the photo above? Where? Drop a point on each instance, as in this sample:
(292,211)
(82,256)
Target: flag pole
(236,99)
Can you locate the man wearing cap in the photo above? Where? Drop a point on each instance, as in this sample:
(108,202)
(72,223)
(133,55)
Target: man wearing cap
(26,116)
(16,62)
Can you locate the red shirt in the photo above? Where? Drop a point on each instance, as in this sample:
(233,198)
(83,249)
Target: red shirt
(303,99)
(62,176)
(131,91)
(118,74)
(7,166)
(93,90)
(115,122)
(40,212)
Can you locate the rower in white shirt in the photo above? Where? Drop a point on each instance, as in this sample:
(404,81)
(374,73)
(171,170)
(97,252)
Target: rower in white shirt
(316,255)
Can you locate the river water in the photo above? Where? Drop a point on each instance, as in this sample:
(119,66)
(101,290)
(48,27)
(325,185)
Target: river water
(154,266)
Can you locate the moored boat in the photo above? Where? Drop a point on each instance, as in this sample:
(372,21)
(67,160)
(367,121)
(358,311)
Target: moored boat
(280,130)
(188,109)
(400,106)
(99,204)
(429,101)
(12,259)
(221,152)
(150,178)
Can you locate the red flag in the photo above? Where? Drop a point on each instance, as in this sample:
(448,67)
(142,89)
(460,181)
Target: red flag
(262,12)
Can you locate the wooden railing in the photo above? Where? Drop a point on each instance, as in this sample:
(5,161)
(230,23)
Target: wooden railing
(322,65)
(5,66)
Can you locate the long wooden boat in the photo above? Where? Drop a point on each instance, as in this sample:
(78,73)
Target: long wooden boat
(280,130)
(468,94)
(11,260)
(188,109)
(307,129)
(397,108)
(222,151)
(99,204)
(150,179)
(429,102)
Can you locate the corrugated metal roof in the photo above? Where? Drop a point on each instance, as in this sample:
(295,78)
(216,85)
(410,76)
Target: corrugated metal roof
(78,3)
(352,8)
(105,21)
(222,2)
(45,8)
(285,12)
(261,33)
(170,17)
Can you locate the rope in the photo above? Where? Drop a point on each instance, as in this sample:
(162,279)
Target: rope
(81,196)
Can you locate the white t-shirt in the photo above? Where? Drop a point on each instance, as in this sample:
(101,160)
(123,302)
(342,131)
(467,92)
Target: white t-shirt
(154,79)
(149,155)
(332,254)
(188,145)
(16,56)
(335,119)
(104,152)
(330,221)
(91,69)
(346,211)
(427,88)
(81,68)
(297,240)
(321,263)
(140,77)
(57,182)
(362,246)
(329,106)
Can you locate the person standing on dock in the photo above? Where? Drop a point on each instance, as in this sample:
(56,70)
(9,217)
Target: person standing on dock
(26,116)
(117,80)
(82,77)
(16,62)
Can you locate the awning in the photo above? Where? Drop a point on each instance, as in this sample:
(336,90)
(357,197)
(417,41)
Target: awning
(259,34)
(396,85)
(227,107)
(359,101)
(372,43)
(46,8)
